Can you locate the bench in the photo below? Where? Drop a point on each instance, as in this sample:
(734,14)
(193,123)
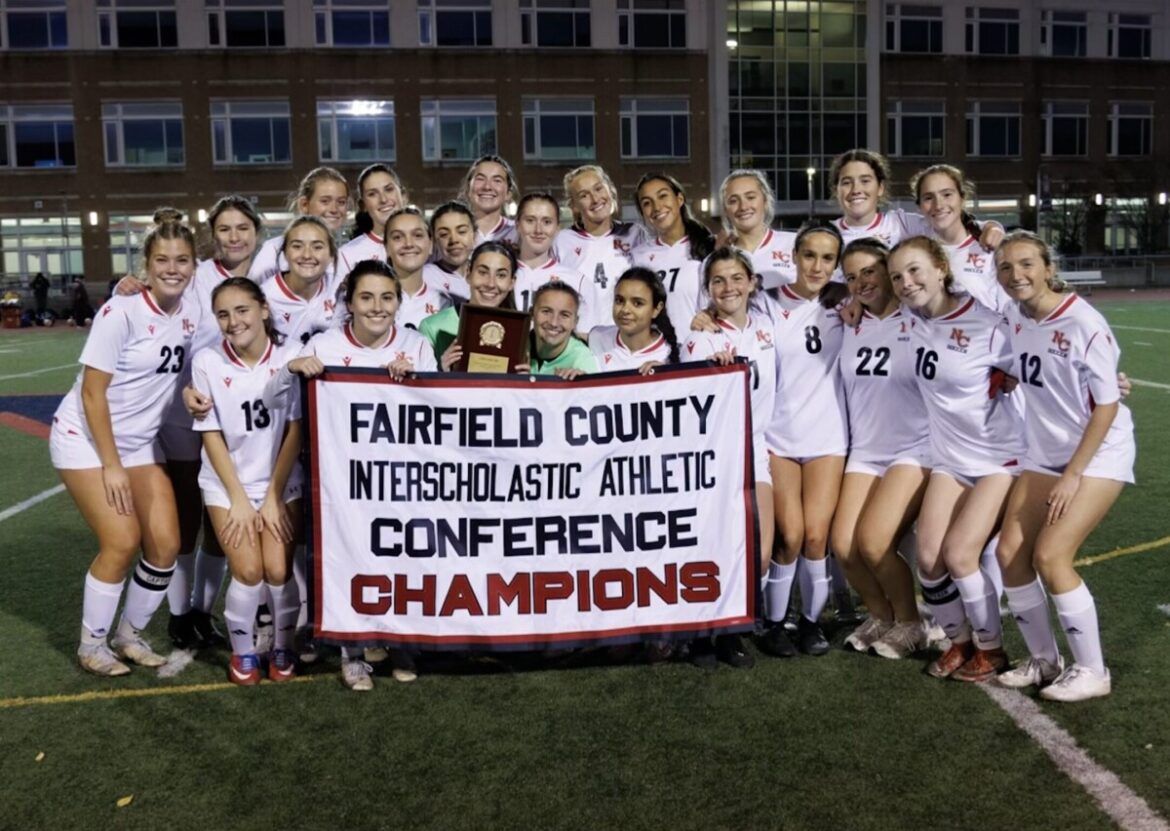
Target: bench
(1083,280)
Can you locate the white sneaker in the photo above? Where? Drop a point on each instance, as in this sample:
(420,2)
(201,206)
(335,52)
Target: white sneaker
(1032,672)
(861,638)
(133,648)
(98,659)
(1078,683)
(356,675)
(901,641)
(375,655)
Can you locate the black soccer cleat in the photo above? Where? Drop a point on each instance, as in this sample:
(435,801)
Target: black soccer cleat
(811,638)
(731,651)
(775,641)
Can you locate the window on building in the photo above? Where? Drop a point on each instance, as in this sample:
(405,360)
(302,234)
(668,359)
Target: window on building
(245,23)
(1131,128)
(356,131)
(993,128)
(458,129)
(143,133)
(37,136)
(137,24)
(913,28)
(993,31)
(49,243)
(655,128)
(652,24)
(1129,35)
(554,22)
(35,24)
(915,128)
(352,22)
(558,129)
(250,132)
(1066,128)
(1063,34)
(455,22)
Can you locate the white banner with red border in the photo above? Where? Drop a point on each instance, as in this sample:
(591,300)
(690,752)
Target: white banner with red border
(503,512)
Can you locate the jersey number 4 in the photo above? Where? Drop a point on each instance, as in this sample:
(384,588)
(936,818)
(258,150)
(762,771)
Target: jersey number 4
(881,355)
(172,360)
(256,415)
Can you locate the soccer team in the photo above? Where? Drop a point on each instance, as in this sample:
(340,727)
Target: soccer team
(926,396)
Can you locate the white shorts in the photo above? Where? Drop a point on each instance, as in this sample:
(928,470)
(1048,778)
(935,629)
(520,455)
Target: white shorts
(763,467)
(71,450)
(214,496)
(1114,463)
(801,460)
(859,463)
(969,476)
(180,443)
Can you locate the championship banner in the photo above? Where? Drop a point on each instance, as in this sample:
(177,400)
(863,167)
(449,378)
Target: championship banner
(468,512)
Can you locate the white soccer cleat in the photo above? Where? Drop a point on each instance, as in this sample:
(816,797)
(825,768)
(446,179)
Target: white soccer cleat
(134,648)
(100,660)
(1032,672)
(864,636)
(1078,683)
(356,675)
(901,641)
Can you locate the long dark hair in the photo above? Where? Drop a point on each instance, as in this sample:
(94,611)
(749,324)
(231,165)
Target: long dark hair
(699,236)
(364,269)
(831,294)
(661,322)
(494,247)
(362,221)
(963,185)
(253,291)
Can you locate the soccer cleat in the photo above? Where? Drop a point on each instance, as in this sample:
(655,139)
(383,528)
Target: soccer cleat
(404,670)
(307,646)
(658,651)
(265,636)
(1078,683)
(864,636)
(244,670)
(845,611)
(901,641)
(205,627)
(1032,672)
(282,665)
(945,665)
(375,655)
(702,654)
(134,648)
(776,642)
(100,660)
(811,638)
(355,675)
(730,650)
(181,630)
(984,665)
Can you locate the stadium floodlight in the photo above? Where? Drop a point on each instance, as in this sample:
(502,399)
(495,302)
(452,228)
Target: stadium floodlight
(1098,199)
(1162,198)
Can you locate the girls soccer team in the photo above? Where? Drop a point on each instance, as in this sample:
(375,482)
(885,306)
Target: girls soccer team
(956,392)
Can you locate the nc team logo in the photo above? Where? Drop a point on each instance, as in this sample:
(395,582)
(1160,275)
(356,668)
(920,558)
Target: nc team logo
(618,245)
(188,326)
(431,309)
(961,340)
(1060,344)
(976,259)
(329,306)
(781,257)
(764,339)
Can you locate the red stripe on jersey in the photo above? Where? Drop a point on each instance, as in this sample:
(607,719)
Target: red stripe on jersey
(150,302)
(232,356)
(877,220)
(1062,308)
(350,337)
(503,221)
(970,239)
(764,242)
(289,293)
(787,292)
(224,273)
(959,312)
(375,238)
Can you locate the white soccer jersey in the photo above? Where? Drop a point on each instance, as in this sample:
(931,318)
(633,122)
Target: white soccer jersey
(772,259)
(368,246)
(450,283)
(601,260)
(146,351)
(954,357)
(1067,365)
(808,415)
(605,342)
(505,231)
(248,410)
(339,347)
(753,342)
(680,276)
(299,319)
(427,301)
(208,275)
(974,270)
(891,227)
(269,261)
(887,416)
(529,279)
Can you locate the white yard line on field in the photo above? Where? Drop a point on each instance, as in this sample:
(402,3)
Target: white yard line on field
(1126,808)
(21,507)
(37,372)
(1141,329)
(1138,382)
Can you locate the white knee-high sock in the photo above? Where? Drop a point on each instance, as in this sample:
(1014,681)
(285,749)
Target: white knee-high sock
(300,573)
(148,587)
(990,566)
(179,590)
(1029,607)
(209,571)
(1078,616)
(98,607)
(239,613)
(814,586)
(286,601)
(943,599)
(779,590)
(982,608)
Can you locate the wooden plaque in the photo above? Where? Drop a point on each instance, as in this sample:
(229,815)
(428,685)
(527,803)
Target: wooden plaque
(493,340)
